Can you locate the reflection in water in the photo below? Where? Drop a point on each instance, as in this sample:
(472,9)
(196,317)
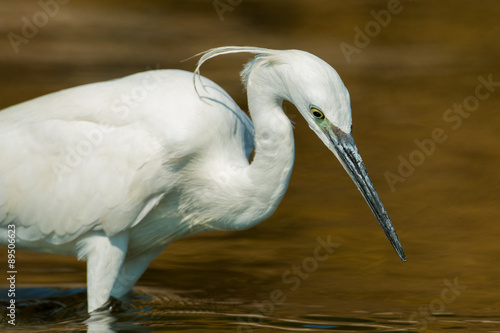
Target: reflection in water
(39,306)
(65,310)
(100,322)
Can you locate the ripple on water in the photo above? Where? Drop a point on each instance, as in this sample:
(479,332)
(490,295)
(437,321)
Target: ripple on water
(42,309)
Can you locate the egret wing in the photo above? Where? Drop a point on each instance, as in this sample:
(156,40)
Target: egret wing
(61,184)
(100,156)
(68,166)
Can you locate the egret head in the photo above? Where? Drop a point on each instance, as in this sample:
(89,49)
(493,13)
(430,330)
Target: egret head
(319,94)
(313,86)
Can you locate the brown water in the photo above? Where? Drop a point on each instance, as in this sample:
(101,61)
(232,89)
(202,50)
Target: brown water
(428,57)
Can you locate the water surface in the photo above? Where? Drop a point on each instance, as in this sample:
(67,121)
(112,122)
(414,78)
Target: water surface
(430,56)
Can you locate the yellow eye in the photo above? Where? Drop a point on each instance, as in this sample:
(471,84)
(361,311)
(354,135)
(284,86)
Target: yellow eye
(317,113)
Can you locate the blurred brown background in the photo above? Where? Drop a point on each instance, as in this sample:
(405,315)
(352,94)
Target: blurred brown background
(404,75)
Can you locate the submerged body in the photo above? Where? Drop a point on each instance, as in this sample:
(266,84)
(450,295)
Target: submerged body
(112,172)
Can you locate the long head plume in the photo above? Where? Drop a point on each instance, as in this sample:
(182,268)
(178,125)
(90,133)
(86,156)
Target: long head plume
(209,54)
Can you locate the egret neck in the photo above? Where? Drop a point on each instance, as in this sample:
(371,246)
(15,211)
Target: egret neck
(270,170)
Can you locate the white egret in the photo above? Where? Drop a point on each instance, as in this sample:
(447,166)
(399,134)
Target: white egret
(112,172)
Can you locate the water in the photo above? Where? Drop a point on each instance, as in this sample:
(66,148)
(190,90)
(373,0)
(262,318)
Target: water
(444,205)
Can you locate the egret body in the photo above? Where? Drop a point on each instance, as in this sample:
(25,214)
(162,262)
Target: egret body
(112,172)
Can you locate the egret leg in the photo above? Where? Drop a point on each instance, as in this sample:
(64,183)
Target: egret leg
(131,271)
(104,257)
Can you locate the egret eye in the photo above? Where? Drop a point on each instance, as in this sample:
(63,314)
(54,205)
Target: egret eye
(317,113)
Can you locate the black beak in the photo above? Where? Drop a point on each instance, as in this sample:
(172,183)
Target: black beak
(346,151)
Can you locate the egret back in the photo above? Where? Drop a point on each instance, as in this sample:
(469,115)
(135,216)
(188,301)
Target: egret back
(99,156)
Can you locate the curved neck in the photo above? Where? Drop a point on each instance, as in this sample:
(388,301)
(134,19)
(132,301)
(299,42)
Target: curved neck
(270,170)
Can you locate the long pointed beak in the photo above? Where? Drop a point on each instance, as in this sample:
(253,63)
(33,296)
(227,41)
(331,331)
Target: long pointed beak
(347,153)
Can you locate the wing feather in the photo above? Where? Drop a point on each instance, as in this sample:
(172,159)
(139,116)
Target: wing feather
(64,173)
(97,157)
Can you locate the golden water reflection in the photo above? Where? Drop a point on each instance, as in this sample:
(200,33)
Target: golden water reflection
(430,56)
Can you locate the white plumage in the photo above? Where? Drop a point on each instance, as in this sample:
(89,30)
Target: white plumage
(112,172)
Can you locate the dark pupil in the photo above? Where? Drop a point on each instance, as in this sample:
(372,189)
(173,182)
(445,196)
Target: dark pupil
(317,114)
